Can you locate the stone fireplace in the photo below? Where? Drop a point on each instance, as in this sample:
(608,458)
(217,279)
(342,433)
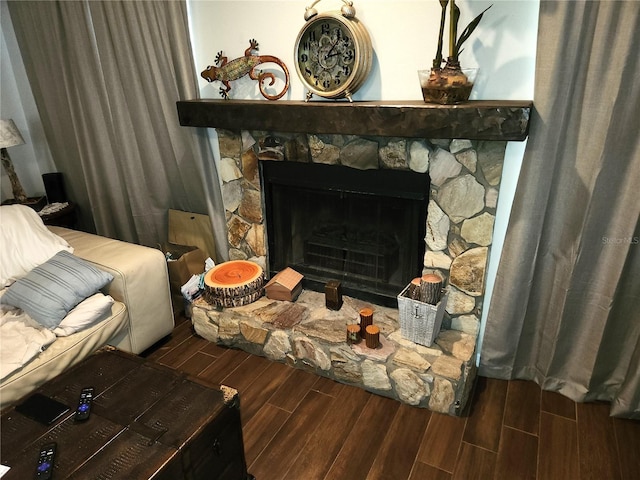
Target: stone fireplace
(456,161)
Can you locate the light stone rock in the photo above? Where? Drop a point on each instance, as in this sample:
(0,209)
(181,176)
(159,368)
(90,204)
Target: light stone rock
(228,327)
(437,260)
(419,156)
(394,154)
(345,364)
(203,325)
(323,153)
(457,246)
(442,395)
(479,229)
(409,386)
(467,324)
(229,144)
(229,171)
(329,330)
(458,145)
(237,229)
(459,302)
(247,140)
(461,198)
(374,376)
(379,354)
(411,359)
(467,271)
(491,197)
(255,239)
(277,346)
(437,227)
(232,195)
(447,366)
(459,344)
(469,159)
(251,206)
(432,351)
(491,159)
(442,166)
(306,349)
(252,333)
(237,254)
(361,154)
(251,168)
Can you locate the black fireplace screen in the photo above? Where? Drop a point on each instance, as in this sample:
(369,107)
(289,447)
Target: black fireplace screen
(365,228)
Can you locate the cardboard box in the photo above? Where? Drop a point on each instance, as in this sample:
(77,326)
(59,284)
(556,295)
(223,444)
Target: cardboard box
(420,322)
(183,261)
(285,285)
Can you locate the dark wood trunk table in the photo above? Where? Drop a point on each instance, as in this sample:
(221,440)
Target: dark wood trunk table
(147,422)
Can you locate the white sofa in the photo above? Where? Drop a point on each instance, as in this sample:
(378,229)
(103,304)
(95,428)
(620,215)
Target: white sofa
(141,313)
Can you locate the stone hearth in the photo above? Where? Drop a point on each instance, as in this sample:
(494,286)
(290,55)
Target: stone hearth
(438,377)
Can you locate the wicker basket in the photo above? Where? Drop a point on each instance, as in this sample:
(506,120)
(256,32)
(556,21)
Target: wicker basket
(420,322)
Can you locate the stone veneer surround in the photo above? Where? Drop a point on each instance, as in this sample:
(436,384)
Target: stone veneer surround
(465,180)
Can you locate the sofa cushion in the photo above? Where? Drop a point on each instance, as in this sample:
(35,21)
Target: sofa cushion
(25,242)
(49,291)
(89,311)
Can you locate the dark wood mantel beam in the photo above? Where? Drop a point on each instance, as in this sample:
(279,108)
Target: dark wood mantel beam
(475,120)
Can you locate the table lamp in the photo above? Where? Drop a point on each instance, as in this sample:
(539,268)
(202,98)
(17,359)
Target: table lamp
(10,137)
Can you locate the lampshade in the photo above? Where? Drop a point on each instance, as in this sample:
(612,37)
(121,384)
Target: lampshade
(9,134)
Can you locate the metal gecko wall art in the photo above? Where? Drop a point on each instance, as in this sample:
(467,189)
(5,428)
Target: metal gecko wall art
(226,71)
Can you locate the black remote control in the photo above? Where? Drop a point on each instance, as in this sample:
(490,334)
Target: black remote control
(44,470)
(83,410)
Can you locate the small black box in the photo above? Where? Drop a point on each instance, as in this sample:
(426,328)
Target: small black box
(333,295)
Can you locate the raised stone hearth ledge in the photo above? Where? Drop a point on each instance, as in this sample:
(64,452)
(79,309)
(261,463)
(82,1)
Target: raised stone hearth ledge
(307,335)
(475,120)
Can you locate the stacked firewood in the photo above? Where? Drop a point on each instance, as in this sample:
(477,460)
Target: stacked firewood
(426,289)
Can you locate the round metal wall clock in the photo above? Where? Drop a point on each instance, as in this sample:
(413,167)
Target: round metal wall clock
(333,52)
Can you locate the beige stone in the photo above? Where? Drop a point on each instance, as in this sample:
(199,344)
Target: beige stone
(468,271)
(328,330)
(237,228)
(447,366)
(232,195)
(442,166)
(253,333)
(228,327)
(442,395)
(429,352)
(437,260)
(479,229)
(459,344)
(459,302)
(411,359)
(409,386)
(229,144)
(251,169)
(256,239)
(491,159)
(307,349)
(251,206)
(457,246)
(461,198)
(394,154)
(467,324)
(491,198)
(469,159)
(278,345)
(361,154)
(437,227)
(374,376)
(419,156)
(229,171)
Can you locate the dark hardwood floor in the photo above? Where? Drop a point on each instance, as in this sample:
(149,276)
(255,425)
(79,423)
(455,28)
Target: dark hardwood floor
(299,426)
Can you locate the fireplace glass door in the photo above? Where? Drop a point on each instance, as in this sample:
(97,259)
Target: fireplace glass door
(364,228)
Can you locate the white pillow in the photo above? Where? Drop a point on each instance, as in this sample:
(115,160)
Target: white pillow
(25,242)
(92,310)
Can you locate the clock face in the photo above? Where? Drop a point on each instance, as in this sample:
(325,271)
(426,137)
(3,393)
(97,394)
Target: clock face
(327,56)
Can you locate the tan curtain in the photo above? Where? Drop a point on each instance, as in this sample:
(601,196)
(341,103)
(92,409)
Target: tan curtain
(567,314)
(106,76)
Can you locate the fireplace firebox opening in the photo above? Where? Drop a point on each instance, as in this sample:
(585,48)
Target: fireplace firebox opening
(365,228)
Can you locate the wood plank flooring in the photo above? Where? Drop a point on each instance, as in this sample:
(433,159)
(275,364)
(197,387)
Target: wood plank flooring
(299,426)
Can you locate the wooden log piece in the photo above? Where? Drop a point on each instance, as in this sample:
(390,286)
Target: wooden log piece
(372,336)
(353,333)
(430,288)
(234,283)
(366,319)
(414,289)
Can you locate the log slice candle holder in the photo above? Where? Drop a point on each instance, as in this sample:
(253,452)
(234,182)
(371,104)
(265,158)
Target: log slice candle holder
(366,319)
(372,336)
